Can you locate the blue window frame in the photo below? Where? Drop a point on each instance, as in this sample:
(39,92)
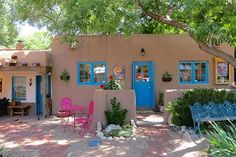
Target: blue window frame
(91,73)
(193,72)
(19,88)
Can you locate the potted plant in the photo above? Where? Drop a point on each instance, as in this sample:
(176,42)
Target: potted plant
(166,77)
(14,58)
(161,102)
(65,76)
(4,102)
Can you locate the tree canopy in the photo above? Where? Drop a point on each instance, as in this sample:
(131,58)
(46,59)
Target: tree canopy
(38,40)
(208,22)
(8,30)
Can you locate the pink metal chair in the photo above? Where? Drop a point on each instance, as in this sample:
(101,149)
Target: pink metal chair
(65,110)
(85,122)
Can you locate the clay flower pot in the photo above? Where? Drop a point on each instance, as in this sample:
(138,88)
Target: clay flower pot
(12,64)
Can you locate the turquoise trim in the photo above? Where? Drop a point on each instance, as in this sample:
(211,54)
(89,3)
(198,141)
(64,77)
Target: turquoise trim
(13,85)
(193,63)
(154,84)
(91,82)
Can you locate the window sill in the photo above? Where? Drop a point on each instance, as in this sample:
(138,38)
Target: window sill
(193,83)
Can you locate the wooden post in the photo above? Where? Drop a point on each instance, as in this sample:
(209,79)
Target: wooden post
(43,88)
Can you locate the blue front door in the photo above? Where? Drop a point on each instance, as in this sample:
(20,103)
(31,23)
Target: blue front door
(39,97)
(143,84)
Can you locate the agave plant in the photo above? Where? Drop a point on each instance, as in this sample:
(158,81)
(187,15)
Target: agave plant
(1,150)
(222,141)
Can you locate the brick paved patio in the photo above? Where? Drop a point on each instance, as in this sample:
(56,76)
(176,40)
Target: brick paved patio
(28,137)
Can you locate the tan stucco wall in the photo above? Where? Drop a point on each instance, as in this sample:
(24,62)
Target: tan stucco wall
(28,56)
(102,103)
(164,50)
(171,96)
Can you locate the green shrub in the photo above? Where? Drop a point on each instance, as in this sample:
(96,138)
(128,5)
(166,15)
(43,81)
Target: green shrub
(112,84)
(4,102)
(222,142)
(117,115)
(181,111)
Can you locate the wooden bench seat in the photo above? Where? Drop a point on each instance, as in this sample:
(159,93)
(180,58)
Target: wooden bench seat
(19,109)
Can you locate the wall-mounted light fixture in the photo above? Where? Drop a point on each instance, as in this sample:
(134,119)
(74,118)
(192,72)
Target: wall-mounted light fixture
(30,82)
(142,52)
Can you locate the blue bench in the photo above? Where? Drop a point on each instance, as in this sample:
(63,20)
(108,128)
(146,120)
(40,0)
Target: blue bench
(212,112)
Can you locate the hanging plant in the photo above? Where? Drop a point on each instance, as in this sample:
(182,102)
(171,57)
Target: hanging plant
(65,76)
(166,77)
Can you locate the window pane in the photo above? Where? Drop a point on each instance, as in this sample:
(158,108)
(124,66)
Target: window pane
(99,72)
(142,73)
(85,74)
(200,72)
(203,72)
(185,72)
(19,87)
(139,74)
(222,72)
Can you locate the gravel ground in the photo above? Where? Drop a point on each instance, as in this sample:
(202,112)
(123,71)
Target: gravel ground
(27,137)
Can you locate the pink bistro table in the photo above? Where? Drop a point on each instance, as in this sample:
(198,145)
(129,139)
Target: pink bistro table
(77,109)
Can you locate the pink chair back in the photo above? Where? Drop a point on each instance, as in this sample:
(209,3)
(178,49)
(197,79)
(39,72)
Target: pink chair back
(66,103)
(91,111)
(85,121)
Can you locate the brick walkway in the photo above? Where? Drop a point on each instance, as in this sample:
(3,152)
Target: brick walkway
(27,137)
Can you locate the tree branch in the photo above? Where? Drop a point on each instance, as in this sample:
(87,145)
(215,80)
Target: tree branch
(163,19)
(169,21)
(177,24)
(214,51)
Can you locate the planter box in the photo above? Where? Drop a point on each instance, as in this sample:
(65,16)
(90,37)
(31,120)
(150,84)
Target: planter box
(164,79)
(102,103)
(12,64)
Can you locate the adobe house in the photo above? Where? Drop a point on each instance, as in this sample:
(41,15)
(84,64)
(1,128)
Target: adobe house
(139,62)
(25,76)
